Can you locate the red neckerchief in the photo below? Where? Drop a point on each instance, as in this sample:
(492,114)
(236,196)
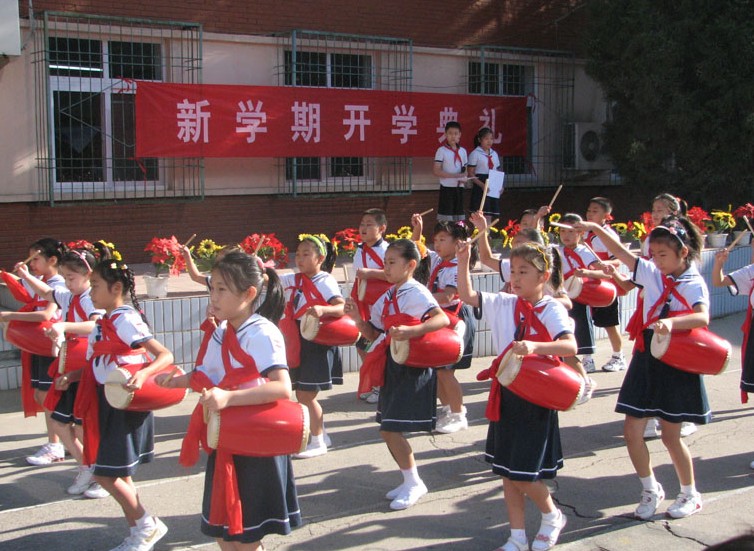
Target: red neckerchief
(16,288)
(75,309)
(433,285)
(288,324)
(367,250)
(456,154)
(490,164)
(669,287)
(363,306)
(225,506)
(602,255)
(528,327)
(572,256)
(746,328)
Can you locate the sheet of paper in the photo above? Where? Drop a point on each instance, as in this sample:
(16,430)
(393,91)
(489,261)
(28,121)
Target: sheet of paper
(495,183)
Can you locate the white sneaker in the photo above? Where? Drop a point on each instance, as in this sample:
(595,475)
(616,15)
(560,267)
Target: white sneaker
(688,429)
(326,438)
(444,411)
(685,505)
(82,481)
(652,430)
(47,455)
(96,491)
(590,385)
(648,503)
(126,545)
(588,363)
(312,450)
(144,540)
(751,465)
(548,533)
(408,497)
(615,363)
(514,545)
(452,422)
(374,396)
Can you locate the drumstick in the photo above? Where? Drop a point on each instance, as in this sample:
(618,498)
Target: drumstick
(736,240)
(62,356)
(748,224)
(35,253)
(559,225)
(259,244)
(190,239)
(170,377)
(557,192)
(481,233)
(591,250)
(426,212)
(484,195)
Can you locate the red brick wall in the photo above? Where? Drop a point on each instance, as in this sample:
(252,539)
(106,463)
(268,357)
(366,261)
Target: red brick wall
(229,219)
(527,23)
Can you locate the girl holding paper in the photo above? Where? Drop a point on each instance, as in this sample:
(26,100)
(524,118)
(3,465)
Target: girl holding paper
(482,161)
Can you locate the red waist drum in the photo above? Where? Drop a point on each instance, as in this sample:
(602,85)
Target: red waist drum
(542,380)
(372,289)
(72,355)
(148,398)
(330,330)
(434,349)
(30,336)
(592,292)
(697,351)
(265,430)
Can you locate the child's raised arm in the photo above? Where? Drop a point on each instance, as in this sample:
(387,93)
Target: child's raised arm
(613,245)
(465,292)
(718,279)
(191,268)
(417,223)
(485,252)
(40,287)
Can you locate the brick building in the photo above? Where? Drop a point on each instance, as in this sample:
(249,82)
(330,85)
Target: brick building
(67,148)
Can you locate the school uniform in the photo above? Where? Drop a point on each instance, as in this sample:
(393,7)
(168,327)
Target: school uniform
(483,163)
(408,396)
(445,274)
(453,161)
(266,485)
(743,283)
(75,308)
(40,365)
(372,258)
(126,438)
(523,439)
(573,259)
(320,366)
(652,388)
(607,316)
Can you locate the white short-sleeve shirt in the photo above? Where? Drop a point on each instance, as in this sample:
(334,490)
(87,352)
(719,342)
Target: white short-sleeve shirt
(414,299)
(324,282)
(480,160)
(598,246)
(505,269)
(131,329)
(582,251)
(499,310)
(691,287)
(447,157)
(64,297)
(55,282)
(446,277)
(743,282)
(358,259)
(258,337)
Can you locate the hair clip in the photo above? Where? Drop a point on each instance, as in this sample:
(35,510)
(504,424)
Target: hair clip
(113,265)
(82,257)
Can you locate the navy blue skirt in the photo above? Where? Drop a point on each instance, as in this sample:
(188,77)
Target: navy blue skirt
(747,373)
(63,412)
(608,316)
(320,367)
(525,444)
(269,501)
(654,389)
(40,365)
(408,399)
(584,332)
(491,204)
(126,439)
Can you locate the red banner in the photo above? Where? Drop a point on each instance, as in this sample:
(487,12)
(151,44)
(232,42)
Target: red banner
(213,120)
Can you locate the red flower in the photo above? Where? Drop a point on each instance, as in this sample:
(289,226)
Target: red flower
(698,215)
(272,248)
(646,219)
(346,241)
(166,254)
(746,210)
(80,245)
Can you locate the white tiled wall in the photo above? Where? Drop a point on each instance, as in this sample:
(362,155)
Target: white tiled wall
(175,321)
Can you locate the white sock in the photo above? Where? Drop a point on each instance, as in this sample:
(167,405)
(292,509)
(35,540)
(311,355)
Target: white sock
(649,482)
(145,523)
(549,518)
(317,440)
(689,489)
(618,355)
(411,476)
(519,535)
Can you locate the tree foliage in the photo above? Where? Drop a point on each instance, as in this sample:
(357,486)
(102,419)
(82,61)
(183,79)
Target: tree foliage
(680,76)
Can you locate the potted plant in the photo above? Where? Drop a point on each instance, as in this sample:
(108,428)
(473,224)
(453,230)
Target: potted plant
(718,224)
(271,250)
(744,211)
(206,254)
(167,260)
(346,242)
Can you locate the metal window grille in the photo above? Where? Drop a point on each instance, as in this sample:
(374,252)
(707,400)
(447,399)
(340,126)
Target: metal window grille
(85,68)
(310,58)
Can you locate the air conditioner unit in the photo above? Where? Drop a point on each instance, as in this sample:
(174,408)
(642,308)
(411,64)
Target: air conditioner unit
(584,146)
(10,29)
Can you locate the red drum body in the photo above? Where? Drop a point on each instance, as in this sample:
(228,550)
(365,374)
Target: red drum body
(72,355)
(330,331)
(148,398)
(372,289)
(434,349)
(542,380)
(266,430)
(592,292)
(30,337)
(697,351)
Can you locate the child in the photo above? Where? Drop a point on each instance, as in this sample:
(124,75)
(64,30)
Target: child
(117,441)
(246,346)
(534,218)
(676,298)
(45,256)
(369,264)
(450,167)
(315,292)
(408,395)
(579,261)
(598,211)
(523,441)
(78,317)
(442,283)
(482,160)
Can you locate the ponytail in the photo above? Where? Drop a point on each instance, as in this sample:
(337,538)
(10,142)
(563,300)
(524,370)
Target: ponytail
(330,258)
(274,301)
(556,274)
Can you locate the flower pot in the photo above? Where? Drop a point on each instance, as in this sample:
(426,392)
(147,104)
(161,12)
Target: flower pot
(745,240)
(717,240)
(157,287)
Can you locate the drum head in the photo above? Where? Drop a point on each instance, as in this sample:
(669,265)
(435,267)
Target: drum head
(660,344)
(509,368)
(309,327)
(460,330)
(116,395)
(362,289)
(213,428)
(573,287)
(306,431)
(399,350)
